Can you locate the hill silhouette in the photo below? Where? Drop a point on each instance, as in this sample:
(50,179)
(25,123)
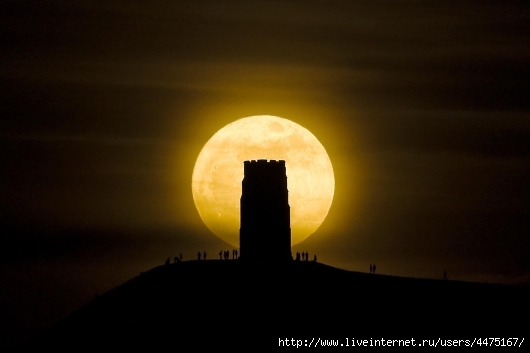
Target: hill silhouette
(226,303)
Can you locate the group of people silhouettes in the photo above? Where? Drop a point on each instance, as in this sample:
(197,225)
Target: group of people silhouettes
(226,255)
(176,259)
(305,256)
(223,254)
(372,268)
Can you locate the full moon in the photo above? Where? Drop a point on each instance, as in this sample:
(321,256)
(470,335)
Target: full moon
(218,173)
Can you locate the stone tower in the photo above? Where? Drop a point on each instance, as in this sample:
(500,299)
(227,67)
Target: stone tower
(265,223)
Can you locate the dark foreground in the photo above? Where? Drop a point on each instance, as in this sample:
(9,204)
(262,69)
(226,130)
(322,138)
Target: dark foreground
(224,304)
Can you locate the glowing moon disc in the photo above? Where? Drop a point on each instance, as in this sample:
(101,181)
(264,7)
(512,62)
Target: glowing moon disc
(218,172)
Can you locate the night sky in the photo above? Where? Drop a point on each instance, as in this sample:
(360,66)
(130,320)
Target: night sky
(422,106)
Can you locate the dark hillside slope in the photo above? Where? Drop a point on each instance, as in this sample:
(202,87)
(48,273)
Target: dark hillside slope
(217,303)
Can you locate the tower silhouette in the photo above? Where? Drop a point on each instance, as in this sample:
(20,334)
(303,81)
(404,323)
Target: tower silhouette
(265,228)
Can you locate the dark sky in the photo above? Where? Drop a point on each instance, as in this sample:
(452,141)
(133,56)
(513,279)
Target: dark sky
(423,107)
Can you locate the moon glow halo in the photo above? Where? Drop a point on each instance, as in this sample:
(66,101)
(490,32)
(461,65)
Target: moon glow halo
(218,172)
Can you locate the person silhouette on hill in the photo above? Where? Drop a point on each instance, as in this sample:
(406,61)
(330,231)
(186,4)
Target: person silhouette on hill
(199,255)
(204,256)
(220,255)
(315,258)
(374,269)
(236,254)
(306,256)
(298,256)
(176,259)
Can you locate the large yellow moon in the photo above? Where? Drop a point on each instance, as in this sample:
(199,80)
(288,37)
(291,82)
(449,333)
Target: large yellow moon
(218,173)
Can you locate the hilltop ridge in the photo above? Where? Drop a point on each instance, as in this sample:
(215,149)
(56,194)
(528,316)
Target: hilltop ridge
(220,301)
